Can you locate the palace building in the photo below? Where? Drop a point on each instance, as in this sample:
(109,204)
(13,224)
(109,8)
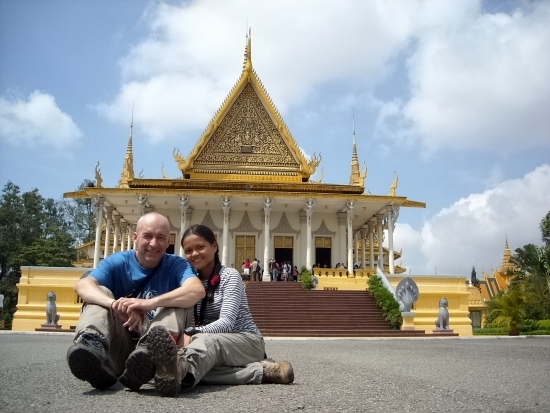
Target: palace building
(249,181)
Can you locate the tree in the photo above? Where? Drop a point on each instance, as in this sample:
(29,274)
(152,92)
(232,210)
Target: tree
(473,278)
(508,309)
(33,231)
(80,214)
(545,229)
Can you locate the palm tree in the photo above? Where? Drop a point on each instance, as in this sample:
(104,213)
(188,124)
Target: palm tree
(508,309)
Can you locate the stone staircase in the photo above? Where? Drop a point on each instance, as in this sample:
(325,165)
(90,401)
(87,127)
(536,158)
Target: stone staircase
(282,309)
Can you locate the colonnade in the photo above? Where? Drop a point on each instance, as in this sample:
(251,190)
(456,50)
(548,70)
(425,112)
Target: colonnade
(384,219)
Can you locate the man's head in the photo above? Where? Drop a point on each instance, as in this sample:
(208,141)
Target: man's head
(152,239)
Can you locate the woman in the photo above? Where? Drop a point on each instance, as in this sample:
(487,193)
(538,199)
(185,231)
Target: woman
(225,346)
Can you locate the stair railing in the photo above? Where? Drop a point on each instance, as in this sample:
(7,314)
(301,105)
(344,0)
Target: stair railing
(385,280)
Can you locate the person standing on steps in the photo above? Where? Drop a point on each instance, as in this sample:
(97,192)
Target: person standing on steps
(224,346)
(126,292)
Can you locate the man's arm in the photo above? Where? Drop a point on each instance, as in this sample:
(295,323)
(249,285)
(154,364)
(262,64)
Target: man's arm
(88,289)
(186,296)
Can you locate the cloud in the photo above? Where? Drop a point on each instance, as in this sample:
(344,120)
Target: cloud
(476,80)
(482,83)
(472,231)
(192,56)
(37,121)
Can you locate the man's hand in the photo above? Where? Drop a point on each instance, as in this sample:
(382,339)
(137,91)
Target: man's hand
(128,305)
(131,312)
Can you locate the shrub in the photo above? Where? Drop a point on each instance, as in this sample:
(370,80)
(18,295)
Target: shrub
(306,277)
(386,301)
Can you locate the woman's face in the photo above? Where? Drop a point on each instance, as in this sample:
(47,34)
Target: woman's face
(200,252)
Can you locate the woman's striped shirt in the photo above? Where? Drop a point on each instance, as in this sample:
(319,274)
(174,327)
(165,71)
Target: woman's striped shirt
(228,312)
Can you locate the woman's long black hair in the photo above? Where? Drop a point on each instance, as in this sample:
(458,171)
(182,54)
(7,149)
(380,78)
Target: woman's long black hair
(208,235)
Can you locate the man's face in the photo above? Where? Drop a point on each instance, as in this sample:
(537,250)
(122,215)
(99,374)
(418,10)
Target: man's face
(152,241)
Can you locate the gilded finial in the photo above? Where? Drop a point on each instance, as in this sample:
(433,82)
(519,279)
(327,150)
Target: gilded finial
(394,184)
(162,171)
(128,165)
(248,52)
(320,180)
(313,163)
(180,160)
(357,177)
(98,178)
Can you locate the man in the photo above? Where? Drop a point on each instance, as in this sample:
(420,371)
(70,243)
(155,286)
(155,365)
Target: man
(254,270)
(127,291)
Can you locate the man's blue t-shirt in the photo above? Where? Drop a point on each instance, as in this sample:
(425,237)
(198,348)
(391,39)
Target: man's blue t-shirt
(122,274)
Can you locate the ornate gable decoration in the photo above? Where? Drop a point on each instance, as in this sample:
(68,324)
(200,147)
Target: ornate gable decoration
(247,140)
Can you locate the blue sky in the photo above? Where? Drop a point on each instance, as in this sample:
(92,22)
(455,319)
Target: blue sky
(454,96)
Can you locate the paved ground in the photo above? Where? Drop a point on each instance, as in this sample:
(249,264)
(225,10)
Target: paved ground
(341,375)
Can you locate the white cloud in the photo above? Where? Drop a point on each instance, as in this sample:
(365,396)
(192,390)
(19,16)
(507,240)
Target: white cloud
(179,75)
(482,83)
(472,231)
(478,81)
(37,121)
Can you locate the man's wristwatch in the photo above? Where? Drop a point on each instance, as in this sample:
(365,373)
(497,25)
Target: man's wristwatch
(191,331)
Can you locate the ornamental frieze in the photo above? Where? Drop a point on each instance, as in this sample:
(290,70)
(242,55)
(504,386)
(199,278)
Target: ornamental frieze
(247,136)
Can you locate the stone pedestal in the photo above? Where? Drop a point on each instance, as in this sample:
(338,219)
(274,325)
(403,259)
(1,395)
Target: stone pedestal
(443,332)
(51,326)
(408,320)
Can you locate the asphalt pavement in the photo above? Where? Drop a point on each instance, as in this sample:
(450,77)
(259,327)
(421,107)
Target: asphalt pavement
(508,374)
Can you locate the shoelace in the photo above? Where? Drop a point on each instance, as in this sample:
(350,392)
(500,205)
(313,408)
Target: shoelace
(92,341)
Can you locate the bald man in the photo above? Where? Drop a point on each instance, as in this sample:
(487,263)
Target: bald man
(126,294)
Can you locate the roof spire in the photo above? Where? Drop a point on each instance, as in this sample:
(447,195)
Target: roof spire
(248,52)
(128,166)
(357,177)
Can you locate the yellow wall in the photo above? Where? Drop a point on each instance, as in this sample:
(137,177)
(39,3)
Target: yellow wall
(33,287)
(37,281)
(431,287)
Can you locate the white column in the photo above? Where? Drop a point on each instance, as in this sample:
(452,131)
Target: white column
(267,209)
(226,206)
(123,235)
(184,204)
(309,212)
(380,236)
(371,225)
(131,235)
(342,254)
(356,245)
(363,237)
(391,217)
(129,242)
(98,223)
(349,207)
(116,239)
(109,224)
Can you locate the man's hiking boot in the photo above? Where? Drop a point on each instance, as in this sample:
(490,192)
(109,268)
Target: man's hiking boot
(139,367)
(88,361)
(170,369)
(277,373)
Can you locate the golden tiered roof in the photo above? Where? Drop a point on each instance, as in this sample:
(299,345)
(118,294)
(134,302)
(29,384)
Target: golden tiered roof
(500,279)
(248,153)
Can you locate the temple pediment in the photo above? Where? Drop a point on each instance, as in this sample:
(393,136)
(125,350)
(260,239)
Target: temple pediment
(247,140)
